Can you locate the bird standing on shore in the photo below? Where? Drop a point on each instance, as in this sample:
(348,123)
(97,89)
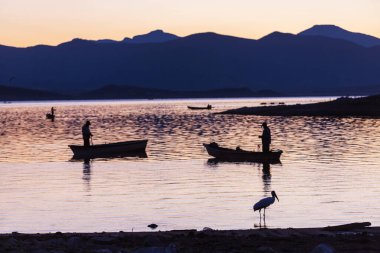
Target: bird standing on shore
(265,202)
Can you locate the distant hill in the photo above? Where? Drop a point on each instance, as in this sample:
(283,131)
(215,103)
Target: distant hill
(106,41)
(8,93)
(286,63)
(157,36)
(336,32)
(130,92)
(341,107)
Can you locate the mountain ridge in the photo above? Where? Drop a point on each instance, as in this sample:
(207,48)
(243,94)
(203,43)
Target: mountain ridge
(286,63)
(316,30)
(337,32)
(11,93)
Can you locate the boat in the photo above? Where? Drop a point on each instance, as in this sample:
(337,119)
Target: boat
(240,155)
(208,107)
(115,149)
(50,116)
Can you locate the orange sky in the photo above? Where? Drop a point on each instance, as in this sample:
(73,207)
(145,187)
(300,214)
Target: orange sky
(31,22)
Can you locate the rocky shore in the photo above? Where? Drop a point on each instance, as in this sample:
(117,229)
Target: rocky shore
(341,107)
(347,238)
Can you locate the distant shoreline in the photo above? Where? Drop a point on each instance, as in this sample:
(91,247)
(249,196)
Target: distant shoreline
(206,100)
(341,107)
(112,92)
(120,92)
(343,239)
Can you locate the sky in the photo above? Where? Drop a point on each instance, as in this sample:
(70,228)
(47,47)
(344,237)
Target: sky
(51,22)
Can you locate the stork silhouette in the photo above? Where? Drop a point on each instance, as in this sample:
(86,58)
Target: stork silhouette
(264,203)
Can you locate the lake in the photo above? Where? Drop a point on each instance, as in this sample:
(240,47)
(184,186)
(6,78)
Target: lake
(329,172)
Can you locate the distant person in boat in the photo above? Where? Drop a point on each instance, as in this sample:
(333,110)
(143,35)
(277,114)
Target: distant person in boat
(52,110)
(86,133)
(265,137)
(209,106)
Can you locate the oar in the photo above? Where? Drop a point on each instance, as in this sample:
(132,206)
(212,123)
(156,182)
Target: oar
(92,143)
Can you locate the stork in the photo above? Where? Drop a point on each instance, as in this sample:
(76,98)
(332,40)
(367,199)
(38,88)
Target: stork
(265,202)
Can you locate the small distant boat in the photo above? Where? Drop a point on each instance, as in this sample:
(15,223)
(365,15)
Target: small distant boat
(239,155)
(110,149)
(281,103)
(50,116)
(263,103)
(208,107)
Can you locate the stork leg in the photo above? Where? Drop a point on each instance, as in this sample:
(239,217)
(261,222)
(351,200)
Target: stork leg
(264,215)
(260,217)
(265,224)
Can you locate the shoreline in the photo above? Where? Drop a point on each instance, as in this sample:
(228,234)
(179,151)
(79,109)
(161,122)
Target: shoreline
(355,237)
(341,107)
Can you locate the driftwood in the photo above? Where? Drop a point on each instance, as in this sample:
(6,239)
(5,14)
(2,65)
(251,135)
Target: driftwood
(350,226)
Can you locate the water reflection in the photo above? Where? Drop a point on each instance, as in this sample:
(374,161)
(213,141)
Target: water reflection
(265,169)
(262,223)
(174,132)
(106,157)
(266,178)
(327,162)
(267,188)
(87,174)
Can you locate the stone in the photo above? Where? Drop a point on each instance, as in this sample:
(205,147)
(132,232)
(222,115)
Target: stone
(152,226)
(265,249)
(73,242)
(104,240)
(323,248)
(39,251)
(171,248)
(152,240)
(12,243)
(102,251)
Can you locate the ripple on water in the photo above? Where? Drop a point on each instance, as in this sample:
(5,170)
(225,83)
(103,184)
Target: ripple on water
(329,173)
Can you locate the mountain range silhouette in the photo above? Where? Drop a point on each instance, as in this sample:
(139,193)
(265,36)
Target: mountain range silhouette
(320,60)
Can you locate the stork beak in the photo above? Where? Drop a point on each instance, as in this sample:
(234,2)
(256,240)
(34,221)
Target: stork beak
(276,197)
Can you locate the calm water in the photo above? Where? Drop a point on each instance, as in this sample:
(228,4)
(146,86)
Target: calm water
(329,174)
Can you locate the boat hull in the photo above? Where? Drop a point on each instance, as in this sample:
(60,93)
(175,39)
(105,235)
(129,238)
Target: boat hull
(199,108)
(50,116)
(226,154)
(111,149)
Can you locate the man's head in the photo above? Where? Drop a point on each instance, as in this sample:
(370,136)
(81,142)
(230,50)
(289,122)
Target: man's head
(88,123)
(264,124)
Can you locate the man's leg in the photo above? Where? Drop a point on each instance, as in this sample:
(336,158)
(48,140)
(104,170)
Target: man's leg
(265,147)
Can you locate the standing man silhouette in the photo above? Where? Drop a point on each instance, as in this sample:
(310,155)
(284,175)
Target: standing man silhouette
(265,137)
(86,133)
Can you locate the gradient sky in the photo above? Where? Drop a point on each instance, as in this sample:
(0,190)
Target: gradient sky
(31,22)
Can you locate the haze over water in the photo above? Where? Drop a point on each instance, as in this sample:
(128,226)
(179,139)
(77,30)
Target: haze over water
(329,173)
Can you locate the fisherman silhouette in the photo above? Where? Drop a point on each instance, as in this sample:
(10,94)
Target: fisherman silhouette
(86,133)
(265,137)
